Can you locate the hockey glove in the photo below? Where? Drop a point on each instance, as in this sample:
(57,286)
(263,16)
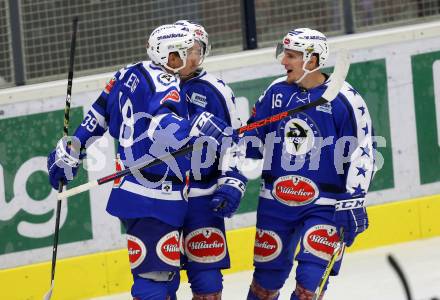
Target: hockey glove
(62,164)
(206,124)
(226,198)
(352,220)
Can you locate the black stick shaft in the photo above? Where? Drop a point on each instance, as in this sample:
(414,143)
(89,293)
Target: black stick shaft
(65,133)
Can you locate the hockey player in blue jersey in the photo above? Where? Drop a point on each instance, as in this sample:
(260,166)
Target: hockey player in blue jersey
(318,165)
(142,109)
(216,190)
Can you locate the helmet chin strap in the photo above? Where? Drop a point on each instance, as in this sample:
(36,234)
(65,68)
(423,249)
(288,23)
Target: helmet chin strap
(306,72)
(176,70)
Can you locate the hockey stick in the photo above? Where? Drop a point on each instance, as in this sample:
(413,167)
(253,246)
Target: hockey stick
(48,295)
(396,267)
(336,81)
(336,252)
(401,276)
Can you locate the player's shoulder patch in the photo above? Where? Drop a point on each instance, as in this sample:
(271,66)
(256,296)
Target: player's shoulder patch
(109,85)
(172,96)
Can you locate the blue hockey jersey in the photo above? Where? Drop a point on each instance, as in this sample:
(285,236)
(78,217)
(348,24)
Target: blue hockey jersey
(318,156)
(205,92)
(133,107)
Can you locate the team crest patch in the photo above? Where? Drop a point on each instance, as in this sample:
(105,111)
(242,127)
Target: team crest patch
(109,85)
(295,190)
(205,245)
(166,79)
(171,96)
(168,249)
(320,240)
(136,251)
(267,245)
(300,136)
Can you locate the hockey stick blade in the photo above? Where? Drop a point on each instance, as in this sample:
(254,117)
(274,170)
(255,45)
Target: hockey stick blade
(338,76)
(48,295)
(335,82)
(398,269)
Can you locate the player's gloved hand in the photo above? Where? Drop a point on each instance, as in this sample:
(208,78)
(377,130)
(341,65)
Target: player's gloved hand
(226,198)
(353,221)
(206,124)
(62,164)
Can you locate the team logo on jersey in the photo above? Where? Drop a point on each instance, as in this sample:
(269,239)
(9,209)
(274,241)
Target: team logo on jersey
(300,136)
(171,96)
(166,79)
(167,187)
(205,245)
(198,99)
(109,85)
(321,240)
(168,249)
(267,246)
(295,190)
(136,251)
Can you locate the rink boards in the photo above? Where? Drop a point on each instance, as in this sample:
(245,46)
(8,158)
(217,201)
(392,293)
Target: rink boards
(107,273)
(397,71)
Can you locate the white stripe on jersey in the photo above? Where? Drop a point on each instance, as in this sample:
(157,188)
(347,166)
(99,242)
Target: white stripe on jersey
(361,160)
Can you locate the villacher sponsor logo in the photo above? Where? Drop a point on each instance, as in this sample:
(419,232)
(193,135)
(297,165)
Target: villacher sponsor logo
(205,245)
(321,240)
(264,245)
(136,251)
(267,245)
(168,249)
(295,190)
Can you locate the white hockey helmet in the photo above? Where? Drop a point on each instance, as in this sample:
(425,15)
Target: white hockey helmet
(200,35)
(166,39)
(309,42)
